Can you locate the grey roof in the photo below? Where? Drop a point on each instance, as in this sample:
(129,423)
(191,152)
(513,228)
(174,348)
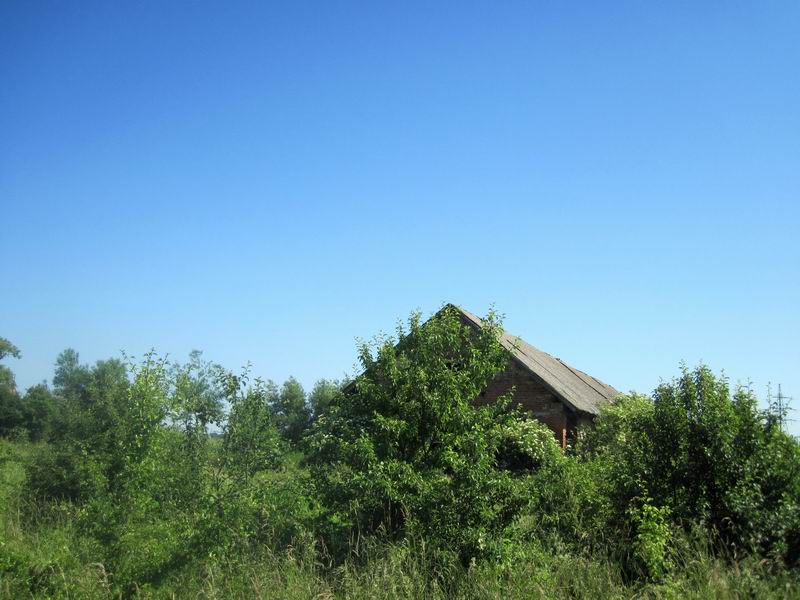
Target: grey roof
(580,391)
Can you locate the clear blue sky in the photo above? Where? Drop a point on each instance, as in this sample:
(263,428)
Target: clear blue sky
(267,182)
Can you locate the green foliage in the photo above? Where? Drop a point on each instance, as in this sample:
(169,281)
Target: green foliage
(8,349)
(617,452)
(96,417)
(292,413)
(198,393)
(406,452)
(41,412)
(324,393)
(12,409)
(151,489)
(12,412)
(652,539)
(251,442)
(717,460)
(407,490)
(71,379)
(526,445)
(567,506)
(701,456)
(8,388)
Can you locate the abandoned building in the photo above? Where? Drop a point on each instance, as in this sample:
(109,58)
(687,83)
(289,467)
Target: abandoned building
(557,394)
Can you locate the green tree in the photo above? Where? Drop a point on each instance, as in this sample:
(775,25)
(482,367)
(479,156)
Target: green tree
(704,456)
(406,451)
(292,413)
(41,411)
(261,498)
(198,392)
(251,441)
(7,381)
(324,392)
(71,379)
(8,349)
(94,407)
(12,410)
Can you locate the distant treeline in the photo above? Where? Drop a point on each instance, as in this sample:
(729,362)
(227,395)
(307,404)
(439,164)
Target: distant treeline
(39,413)
(399,487)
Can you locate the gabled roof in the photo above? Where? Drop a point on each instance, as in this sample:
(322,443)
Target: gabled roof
(575,388)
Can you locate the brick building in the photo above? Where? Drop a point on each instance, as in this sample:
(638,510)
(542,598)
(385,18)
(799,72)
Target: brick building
(557,394)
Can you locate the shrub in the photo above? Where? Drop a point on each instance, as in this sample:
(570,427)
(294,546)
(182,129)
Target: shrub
(652,539)
(704,457)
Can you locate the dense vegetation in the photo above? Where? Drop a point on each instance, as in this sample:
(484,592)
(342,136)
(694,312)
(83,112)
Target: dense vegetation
(148,478)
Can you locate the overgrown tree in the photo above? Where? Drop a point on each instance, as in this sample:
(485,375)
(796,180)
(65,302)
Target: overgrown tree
(405,451)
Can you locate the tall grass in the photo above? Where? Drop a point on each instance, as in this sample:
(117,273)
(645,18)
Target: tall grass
(42,555)
(404,571)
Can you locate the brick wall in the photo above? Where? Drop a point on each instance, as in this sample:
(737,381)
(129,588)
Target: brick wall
(533,396)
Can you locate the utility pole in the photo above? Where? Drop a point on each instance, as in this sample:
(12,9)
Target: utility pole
(780,407)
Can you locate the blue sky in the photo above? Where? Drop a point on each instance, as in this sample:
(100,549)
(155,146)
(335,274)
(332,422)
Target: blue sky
(266,182)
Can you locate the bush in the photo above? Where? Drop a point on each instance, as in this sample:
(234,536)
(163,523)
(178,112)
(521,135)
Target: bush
(651,539)
(701,456)
(63,472)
